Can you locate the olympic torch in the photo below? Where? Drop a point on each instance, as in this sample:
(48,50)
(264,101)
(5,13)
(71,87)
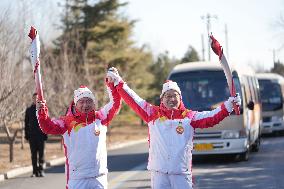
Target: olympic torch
(34,54)
(218,50)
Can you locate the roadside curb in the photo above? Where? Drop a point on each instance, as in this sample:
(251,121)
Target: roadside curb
(55,162)
(2,177)
(59,161)
(18,171)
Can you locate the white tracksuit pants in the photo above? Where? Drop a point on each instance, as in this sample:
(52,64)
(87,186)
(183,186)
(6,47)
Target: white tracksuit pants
(99,182)
(169,181)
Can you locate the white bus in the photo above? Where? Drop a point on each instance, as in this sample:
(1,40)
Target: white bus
(271,92)
(204,87)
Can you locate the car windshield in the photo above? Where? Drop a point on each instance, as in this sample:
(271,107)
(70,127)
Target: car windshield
(271,95)
(202,90)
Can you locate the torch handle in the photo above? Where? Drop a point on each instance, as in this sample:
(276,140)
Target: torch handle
(38,84)
(236,108)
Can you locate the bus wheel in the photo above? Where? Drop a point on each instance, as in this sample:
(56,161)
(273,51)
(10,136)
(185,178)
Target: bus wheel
(255,147)
(243,156)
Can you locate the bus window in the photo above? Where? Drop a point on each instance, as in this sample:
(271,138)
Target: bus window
(238,86)
(202,90)
(238,90)
(252,89)
(256,88)
(271,95)
(247,90)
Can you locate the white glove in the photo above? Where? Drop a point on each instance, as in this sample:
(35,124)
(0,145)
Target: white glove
(113,74)
(229,103)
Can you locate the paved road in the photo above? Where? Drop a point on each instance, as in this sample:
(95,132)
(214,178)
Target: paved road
(264,170)
(121,163)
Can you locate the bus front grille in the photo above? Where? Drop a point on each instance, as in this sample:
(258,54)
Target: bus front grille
(207,135)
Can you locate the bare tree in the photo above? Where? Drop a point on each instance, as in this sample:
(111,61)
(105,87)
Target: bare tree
(13,90)
(60,78)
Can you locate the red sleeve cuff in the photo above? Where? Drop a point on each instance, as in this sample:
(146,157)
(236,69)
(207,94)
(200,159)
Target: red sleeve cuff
(120,85)
(223,107)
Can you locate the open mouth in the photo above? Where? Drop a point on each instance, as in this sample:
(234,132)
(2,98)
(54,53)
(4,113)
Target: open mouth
(172,104)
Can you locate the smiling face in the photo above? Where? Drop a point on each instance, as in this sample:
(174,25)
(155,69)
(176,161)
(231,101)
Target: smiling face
(171,99)
(85,105)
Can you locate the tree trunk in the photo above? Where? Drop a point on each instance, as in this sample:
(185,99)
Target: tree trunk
(22,135)
(11,148)
(11,140)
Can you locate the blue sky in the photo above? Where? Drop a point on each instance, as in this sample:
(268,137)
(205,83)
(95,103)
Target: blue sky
(173,25)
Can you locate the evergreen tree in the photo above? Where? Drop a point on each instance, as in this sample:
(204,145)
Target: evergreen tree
(70,42)
(161,69)
(191,55)
(278,68)
(97,37)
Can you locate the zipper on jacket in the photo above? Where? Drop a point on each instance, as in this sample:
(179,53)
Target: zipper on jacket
(172,115)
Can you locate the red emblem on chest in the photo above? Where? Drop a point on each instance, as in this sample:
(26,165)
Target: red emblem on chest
(180,129)
(97,133)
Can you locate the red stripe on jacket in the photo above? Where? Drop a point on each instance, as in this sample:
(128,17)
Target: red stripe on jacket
(210,121)
(49,126)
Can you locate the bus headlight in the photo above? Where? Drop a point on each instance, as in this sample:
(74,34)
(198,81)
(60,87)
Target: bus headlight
(230,134)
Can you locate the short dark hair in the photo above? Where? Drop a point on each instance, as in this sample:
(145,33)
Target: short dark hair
(35,94)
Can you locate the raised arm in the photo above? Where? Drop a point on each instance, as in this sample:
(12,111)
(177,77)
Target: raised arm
(207,119)
(144,109)
(48,126)
(107,112)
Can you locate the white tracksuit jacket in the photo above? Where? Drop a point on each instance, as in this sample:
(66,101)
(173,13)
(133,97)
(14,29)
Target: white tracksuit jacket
(84,137)
(170,132)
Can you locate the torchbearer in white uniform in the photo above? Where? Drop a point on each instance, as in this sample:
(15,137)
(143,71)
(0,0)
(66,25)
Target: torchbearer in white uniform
(84,136)
(171,128)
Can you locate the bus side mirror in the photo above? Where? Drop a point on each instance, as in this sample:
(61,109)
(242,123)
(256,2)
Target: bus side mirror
(250,105)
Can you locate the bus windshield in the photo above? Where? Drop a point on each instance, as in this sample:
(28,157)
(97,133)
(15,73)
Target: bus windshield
(202,90)
(271,95)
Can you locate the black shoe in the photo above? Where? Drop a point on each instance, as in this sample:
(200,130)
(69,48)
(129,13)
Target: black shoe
(35,175)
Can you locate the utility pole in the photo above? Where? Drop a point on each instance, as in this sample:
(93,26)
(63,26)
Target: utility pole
(202,46)
(226,40)
(273,52)
(207,19)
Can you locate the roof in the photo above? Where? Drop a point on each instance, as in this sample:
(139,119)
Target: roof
(270,76)
(194,66)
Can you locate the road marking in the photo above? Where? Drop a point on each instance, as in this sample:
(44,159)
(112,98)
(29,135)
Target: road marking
(121,179)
